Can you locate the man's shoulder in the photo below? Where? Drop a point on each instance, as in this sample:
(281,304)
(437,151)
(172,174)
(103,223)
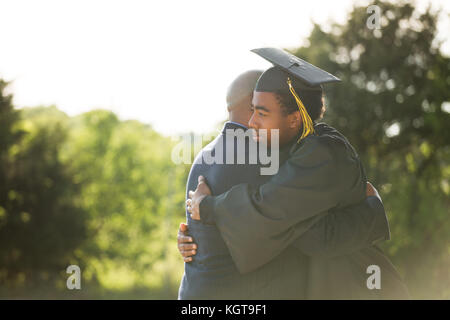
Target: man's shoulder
(210,147)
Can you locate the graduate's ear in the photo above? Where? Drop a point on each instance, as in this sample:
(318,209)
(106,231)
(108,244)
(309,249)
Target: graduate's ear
(294,120)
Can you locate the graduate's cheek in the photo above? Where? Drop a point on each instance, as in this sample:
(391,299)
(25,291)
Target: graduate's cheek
(257,122)
(269,124)
(274,126)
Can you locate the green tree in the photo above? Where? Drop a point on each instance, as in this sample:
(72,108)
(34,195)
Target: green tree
(131,190)
(41,224)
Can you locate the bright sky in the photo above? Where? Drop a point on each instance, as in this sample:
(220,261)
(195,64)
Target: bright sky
(167,63)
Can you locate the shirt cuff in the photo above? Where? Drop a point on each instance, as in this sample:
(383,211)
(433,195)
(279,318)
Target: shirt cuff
(206,207)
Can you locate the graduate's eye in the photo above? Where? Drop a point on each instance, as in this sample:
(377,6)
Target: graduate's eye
(261,114)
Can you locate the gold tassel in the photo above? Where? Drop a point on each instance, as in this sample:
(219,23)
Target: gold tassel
(308,125)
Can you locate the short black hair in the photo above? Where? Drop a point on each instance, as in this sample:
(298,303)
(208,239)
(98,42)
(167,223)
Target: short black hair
(312,100)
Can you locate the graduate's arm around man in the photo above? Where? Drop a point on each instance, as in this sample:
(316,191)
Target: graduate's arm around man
(337,233)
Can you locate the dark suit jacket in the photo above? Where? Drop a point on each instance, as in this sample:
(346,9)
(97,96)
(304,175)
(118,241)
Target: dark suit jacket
(213,274)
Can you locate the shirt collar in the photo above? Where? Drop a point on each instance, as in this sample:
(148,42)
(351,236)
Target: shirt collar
(237,123)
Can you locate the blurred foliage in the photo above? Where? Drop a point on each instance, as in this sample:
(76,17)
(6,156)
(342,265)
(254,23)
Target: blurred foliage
(92,191)
(41,223)
(104,194)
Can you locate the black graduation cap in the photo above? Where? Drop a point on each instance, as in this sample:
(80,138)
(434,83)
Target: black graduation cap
(303,74)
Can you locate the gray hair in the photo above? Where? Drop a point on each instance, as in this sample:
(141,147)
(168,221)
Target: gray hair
(242,86)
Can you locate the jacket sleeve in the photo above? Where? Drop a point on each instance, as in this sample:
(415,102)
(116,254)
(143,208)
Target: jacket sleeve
(258,223)
(346,230)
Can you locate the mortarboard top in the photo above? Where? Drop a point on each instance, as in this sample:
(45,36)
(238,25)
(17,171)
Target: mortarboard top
(303,74)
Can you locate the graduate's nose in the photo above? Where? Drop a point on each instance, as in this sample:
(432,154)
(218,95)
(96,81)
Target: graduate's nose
(252,123)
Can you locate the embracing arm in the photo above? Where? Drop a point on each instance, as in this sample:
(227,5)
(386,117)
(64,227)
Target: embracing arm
(338,233)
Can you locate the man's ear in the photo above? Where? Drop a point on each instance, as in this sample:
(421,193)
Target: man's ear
(294,120)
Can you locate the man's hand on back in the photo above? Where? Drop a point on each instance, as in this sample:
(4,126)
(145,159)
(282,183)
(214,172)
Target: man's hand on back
(185,246)
(193,203)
